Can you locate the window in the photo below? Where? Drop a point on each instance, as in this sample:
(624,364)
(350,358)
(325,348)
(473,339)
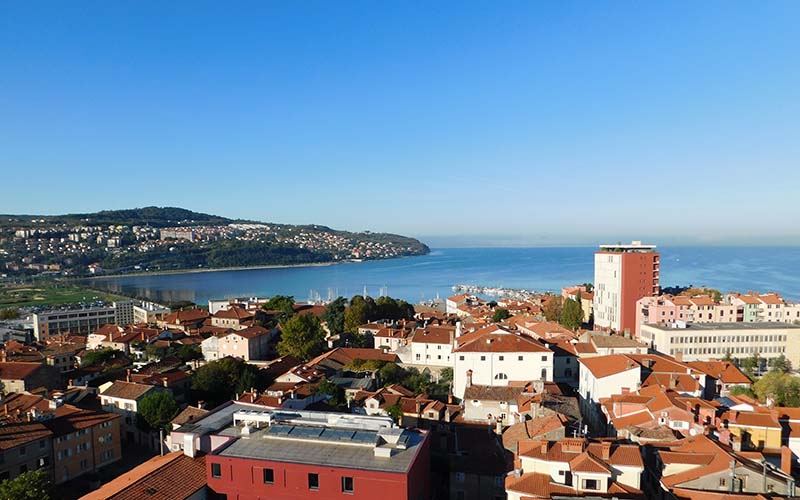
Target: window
(501,358)
(722,482)
(590,484)
(216,470)
(269,476)
(347,485)
(460,477)
(22,451)
(313,481)
(544,358)
(483,358)
(42,444)
(501,376)
(519,358)
(461,358)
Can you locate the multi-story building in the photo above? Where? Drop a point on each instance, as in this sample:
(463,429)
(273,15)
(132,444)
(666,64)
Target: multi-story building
(494,356)
(18,376)
(432,345)
(248,344)
(697,342)
(148,313)
(83,441)
(623,274)
(256,453)
(24,447)
(123,398)
(77,321)
(123,312)
(574,467)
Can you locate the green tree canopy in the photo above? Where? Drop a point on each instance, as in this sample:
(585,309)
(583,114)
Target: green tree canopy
(750,365)
(356,314)
(284,304)
(446,374)
(33,485)
(780,364)
(217,381)
(156,410)
(500,314)
(334,315)
(782,388)
(9,313)
(571,314)
(99,356)
(302,336)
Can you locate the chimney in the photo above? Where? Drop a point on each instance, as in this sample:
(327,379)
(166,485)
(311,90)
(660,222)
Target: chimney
(786,460)
(499,427)
(449,398)
(165,381)
(128,375)
(469,378)
(673,382)
(201,405)
(544,445)
(605,450)
(419,407)
(679,357)
(458,329)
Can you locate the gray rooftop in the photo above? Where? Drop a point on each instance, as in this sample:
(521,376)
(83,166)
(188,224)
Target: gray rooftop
(727,326)
(312,446)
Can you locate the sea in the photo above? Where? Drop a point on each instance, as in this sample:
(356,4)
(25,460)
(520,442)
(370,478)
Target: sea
(427,277)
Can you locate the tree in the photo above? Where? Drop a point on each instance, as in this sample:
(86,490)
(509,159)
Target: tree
(571,314)
(446,374)
(362,365)
(395,411)
(355,315)
(589,287)
(552,310)
(783,389)
(283,304)
(391,373)
(740,390)
(189,352)
(334,315)
(728,356)
(335,392)
(751,364)
(99,356)
(302,336)
(157,410)
(9,313)
(217,381)
(780,364)
(500,314)
(153,351)
(33,485)
(247,382)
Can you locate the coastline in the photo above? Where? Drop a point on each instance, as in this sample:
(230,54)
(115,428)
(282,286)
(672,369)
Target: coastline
(212,270)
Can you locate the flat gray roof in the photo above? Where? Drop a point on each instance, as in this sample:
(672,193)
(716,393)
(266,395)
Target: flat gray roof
(727,326)
(264,445)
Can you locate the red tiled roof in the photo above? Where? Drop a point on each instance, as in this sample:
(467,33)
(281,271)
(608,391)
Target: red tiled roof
(11,370)
(174,476)
(495,339)
(234,313)
(604,366)
(18,434)
(126,390)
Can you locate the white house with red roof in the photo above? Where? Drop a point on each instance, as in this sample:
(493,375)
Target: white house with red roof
(494,356)
(433,345)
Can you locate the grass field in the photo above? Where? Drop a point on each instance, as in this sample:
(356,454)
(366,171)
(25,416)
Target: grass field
(48,294)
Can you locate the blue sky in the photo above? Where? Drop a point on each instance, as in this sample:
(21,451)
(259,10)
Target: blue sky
(463,123)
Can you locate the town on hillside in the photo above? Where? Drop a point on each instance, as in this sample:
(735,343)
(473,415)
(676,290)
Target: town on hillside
(613,389)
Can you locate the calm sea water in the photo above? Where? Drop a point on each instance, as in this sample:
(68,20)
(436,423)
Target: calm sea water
(421,278)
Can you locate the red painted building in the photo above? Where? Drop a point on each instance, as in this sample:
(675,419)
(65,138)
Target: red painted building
(257,454)
(623,274)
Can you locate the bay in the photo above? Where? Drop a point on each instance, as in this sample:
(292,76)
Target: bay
(422,278)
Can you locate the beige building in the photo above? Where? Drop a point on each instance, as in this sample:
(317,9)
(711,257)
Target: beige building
(83,441)
(24,447)
(248,344)
(714,340)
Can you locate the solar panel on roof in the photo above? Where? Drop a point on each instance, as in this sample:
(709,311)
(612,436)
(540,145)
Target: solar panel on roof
(306,432)
(337,435)
(281,430)
(364,437)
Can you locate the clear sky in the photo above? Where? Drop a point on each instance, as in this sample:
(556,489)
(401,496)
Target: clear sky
(463,123)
